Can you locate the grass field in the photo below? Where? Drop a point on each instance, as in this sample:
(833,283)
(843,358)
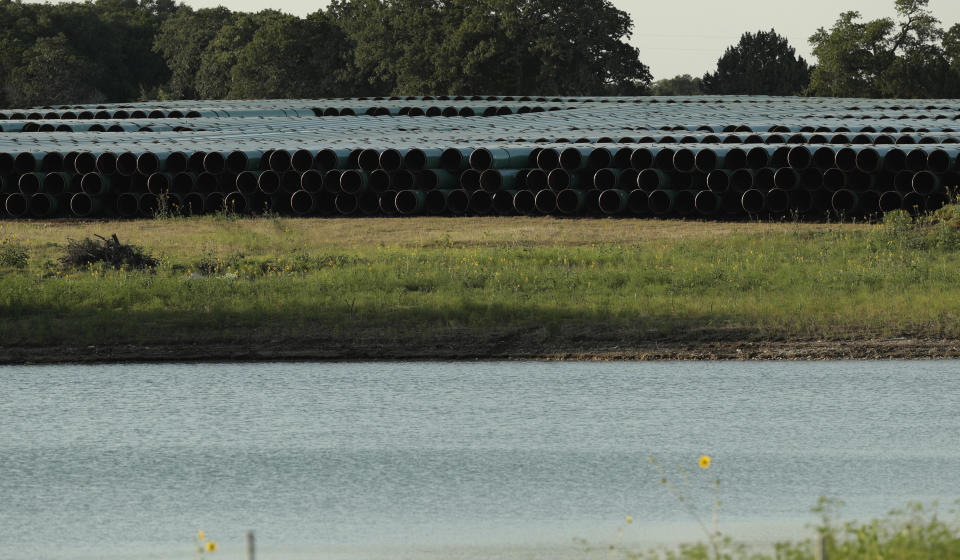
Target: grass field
(441,287)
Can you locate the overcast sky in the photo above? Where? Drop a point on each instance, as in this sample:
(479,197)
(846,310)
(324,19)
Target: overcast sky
(688,36)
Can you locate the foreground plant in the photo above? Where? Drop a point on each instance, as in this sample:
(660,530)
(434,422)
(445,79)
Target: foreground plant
(203,546)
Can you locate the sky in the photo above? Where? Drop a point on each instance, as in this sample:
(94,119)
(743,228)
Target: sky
(688,36)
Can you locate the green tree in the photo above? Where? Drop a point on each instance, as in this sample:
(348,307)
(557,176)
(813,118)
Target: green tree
(290,57)
(762,63)
(214,77)
(395,42)
(52,73)
(678,85)
(533,47)
(181,40)
(883,57)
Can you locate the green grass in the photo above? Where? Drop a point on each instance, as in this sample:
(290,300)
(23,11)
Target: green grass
(563,282)
(913,533)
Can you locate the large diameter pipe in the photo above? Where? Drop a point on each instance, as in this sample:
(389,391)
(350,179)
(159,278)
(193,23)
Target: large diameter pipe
(574,159)
(653,179)
(417,159)
(482,159)
(524,202)
(481,202)
(560,179)
(662,202)
(546,201)
(502,202)
(435,202)
(84,205)
(493,180)
(458,201)
(753,201)
(777,201)
(708,203)
(43,205)
(126,204)
(638,202)
(17,205)
(925,183)
(410,202)
(845,202)
(613,202)
(570,201)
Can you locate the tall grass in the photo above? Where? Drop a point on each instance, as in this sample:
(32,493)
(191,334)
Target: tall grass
(230,280)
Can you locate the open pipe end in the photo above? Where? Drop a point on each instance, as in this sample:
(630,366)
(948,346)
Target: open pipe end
(753,201)
(758,158)
(214,162)
(651,180)
(718,181)
(600,158)
(777,201)
(17,205)
(546,201)
(571,159)
(279,160)
(925,182)
(548,159)
(391,160)
(94,184)
(435,203)
(570,201)
(845,202)
(237,161)
(605,179)
(613,201)
(481,202)
(706,160)
(638,202)
(458,201)
(707,203)
(55,183)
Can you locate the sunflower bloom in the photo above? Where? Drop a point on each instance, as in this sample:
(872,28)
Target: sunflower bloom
(629,519)
(211,546)
(704,461)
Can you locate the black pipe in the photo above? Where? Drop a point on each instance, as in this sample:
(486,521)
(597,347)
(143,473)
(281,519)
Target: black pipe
(753,201)
(546,201)
(458,201)
(524,202)
(638,202)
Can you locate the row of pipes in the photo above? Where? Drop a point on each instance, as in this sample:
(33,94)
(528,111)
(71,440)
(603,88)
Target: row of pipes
(650,180)
(719,157)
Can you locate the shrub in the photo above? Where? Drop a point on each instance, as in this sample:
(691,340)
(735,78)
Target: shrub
(13,254)
(108,251)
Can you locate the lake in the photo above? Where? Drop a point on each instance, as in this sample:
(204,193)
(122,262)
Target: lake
(457,460)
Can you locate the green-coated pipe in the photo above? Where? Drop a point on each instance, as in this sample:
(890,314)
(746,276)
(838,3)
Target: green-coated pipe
(613,202)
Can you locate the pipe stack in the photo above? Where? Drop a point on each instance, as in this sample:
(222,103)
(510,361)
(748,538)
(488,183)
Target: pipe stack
(704,157)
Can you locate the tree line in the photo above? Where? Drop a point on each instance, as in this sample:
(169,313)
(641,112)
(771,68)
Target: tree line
(910,55)
(119,50)
(125,50)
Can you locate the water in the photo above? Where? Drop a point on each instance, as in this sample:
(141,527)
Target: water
(455,460)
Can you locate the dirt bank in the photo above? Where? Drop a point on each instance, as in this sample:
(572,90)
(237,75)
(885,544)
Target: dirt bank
(326,350)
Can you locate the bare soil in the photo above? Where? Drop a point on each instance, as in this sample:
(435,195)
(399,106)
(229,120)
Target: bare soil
(460,349)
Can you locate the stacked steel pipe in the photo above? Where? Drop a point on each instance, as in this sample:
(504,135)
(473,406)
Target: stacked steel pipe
(711,157)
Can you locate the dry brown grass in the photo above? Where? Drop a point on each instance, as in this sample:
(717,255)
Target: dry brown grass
(187,237)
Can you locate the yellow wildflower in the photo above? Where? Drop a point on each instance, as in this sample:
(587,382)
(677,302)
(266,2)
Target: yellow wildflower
(704,461)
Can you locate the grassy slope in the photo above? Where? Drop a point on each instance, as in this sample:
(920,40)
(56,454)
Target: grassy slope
(528,286)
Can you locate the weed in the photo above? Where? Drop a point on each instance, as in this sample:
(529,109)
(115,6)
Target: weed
(13,254)
(111,252)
